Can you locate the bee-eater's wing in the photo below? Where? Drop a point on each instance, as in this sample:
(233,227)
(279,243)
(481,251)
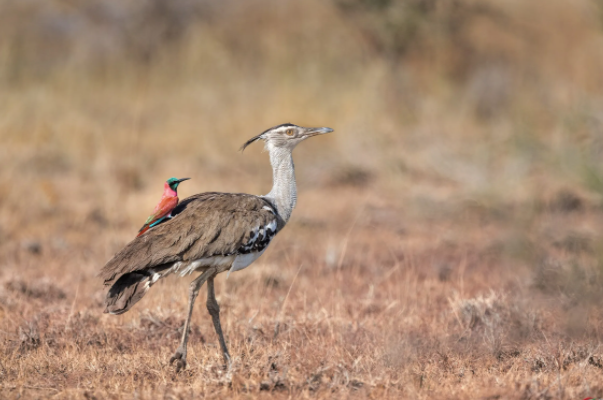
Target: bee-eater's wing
(165,206)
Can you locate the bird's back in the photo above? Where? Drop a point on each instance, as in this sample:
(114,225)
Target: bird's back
(203,226)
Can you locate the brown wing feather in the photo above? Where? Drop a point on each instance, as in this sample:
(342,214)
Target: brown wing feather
(203,225)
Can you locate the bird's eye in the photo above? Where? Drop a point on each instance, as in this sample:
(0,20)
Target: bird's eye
(289,132)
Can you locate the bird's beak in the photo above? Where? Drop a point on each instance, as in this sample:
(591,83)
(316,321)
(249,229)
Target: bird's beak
(182,180)
(316,131)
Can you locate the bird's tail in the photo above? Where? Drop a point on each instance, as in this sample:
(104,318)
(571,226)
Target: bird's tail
(128,290)
(144,228)
(148,226)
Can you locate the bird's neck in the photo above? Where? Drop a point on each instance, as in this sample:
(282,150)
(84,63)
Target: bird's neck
(168,191)
(284,189)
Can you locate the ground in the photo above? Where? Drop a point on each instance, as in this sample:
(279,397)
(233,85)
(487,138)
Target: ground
(348,302)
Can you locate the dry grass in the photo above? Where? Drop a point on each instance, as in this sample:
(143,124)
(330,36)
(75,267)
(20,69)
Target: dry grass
(447,242)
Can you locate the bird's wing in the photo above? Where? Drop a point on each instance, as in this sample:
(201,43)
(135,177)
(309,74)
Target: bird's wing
(207,224)
(162,209)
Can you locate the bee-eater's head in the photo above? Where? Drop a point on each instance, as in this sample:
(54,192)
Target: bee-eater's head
(174,182)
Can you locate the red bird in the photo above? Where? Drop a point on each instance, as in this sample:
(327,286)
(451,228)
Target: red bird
(168,202)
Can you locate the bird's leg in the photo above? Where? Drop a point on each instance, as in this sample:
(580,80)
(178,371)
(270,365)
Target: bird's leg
(180,356)
(214,311)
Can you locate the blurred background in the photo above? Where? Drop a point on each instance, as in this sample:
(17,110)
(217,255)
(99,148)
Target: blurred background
(485,100)
(444,101)
(468,135)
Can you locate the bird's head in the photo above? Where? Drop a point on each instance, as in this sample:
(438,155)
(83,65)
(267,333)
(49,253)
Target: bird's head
(174,182)
(286,136)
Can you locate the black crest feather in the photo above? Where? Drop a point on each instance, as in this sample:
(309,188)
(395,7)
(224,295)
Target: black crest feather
(253,139)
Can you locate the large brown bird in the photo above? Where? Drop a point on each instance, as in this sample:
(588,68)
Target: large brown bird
(209,233)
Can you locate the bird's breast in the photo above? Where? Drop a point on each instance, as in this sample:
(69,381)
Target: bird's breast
(245,260)
(222,263)
(233,262)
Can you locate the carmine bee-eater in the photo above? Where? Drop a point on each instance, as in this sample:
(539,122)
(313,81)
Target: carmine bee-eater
(168,202)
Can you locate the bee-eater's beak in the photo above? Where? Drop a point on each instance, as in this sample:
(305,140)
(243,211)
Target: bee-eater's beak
(182,180)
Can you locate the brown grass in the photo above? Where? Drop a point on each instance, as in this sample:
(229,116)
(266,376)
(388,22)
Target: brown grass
(447,241)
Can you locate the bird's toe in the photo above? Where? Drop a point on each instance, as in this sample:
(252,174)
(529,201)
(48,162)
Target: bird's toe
(179,360)
(180,365)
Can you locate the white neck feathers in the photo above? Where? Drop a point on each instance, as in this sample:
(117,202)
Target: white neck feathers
(284,189)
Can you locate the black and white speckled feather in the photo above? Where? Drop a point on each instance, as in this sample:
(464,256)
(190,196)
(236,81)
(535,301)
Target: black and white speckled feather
(259,238)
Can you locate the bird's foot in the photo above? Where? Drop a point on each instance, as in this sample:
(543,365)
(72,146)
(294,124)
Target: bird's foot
(179,358)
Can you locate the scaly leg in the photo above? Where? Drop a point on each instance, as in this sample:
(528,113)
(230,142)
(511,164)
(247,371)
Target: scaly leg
(214,311)
(180,356)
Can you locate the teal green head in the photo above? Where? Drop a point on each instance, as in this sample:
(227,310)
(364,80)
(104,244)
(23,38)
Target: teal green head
(174,182)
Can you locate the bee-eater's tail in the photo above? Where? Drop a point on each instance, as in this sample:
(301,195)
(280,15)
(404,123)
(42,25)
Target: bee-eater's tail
(151,224)
(142,230)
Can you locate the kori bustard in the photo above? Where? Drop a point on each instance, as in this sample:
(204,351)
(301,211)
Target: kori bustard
(209,233)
